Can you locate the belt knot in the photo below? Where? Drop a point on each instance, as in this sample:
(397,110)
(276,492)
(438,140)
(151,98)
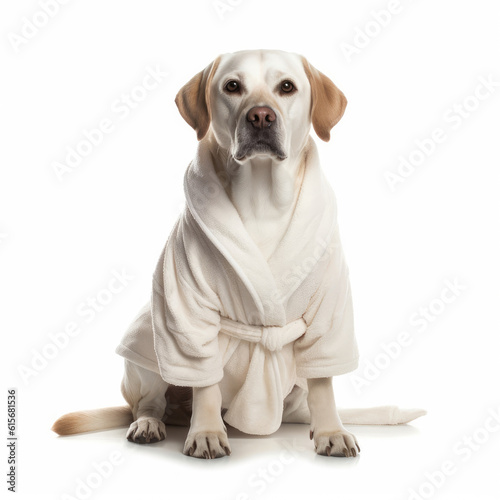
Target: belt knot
(273,338)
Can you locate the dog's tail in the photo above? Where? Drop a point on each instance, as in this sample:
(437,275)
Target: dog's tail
(379,415)
(93,420)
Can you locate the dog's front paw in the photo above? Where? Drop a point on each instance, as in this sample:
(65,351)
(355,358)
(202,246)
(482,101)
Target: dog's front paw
(340,443)
(146,430)
(207,445)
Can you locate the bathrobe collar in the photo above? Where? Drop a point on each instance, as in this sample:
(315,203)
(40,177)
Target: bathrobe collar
(305,242)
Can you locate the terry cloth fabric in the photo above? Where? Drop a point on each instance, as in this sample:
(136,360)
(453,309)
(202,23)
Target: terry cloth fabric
(221,313)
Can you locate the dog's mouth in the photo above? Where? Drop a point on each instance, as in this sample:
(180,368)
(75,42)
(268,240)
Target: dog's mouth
(260,148)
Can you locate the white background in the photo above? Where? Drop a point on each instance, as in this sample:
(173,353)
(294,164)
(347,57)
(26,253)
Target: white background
(61,240)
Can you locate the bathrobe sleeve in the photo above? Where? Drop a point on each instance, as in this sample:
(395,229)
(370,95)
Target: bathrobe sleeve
(185,309)
(329,345)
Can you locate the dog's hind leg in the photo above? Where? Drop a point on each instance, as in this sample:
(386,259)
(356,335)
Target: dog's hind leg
(144,391)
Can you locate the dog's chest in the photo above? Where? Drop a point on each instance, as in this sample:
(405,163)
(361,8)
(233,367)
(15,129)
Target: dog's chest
(265,203)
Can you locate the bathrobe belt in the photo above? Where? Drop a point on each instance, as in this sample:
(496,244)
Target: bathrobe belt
(273,338)
(257,407)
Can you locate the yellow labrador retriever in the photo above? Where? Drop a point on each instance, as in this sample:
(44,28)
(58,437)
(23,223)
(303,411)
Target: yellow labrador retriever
(200,355)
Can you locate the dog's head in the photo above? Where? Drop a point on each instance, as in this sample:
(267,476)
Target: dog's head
(261,103)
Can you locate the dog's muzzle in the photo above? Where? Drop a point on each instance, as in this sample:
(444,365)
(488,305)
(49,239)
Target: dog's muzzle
(259,133)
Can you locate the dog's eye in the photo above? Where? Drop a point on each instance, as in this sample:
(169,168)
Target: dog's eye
(287,87)
(232,86)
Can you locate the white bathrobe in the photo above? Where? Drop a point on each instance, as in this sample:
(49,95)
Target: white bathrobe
(220,313)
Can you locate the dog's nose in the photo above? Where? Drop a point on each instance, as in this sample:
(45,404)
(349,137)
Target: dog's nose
(261,117)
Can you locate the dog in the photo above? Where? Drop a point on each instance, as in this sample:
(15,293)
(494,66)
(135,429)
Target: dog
(251,313)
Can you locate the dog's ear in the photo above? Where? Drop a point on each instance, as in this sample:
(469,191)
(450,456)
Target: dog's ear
(194,97)
(327,101)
